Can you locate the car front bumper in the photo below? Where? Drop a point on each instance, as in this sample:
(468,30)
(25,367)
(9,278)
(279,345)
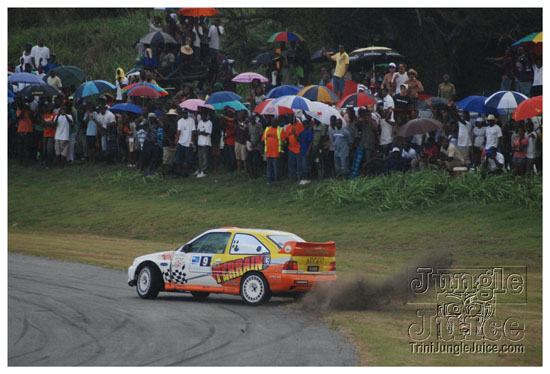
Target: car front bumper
(131,276)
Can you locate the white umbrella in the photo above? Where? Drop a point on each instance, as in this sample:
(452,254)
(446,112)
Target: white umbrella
(322,112)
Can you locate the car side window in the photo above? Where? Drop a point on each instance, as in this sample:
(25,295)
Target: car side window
(214,242)
(246,244)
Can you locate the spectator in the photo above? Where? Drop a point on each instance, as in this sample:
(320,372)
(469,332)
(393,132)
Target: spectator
(342,67)
(52,64)
(388,78)
(394,162)
(254,146)
(479,141)
(90,119)
(536,88)
(399,78)
(255,95)
(507,69)
(494,161)
(132,141)
(40,72)
(410,157)
(449,156)
(414,86)
(428,154)
(54,81)
(342,142)
(368,125)
(241,136)
(169,132)
(120,82)
(184,136)
(273,138)
(27,55)
(446,89)
(204,41)
(387,126)
(464,139)
(524,68)
(49,135)
(63,122)
(166,60)
(40,54)
(198,30)
(493,133)
(519,160)
(105,118)
(151,151)
(229,126)
(292,133)
(24,132)
(306,140)
(204,141)
(215,34)
(403,104)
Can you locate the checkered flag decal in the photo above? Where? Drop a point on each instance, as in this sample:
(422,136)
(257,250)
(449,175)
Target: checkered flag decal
(178,276)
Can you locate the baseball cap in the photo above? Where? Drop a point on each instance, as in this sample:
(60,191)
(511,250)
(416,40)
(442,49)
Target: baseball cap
(391,65)
(395,149)
(152,115)
(479,119)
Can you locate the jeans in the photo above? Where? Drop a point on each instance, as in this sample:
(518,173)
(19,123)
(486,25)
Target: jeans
(229,155)
(272,169)
(204,150)
(339,85)
(302,165)
(341,164)
(523,87)
(505,84)
(292,165)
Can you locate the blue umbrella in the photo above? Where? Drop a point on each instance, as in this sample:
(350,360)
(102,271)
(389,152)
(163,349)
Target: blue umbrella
(222,97)
(92,88)
(126,107)
(237,105)
(505,101)
(476,104)
(25,78)
(282,91)
(10,93)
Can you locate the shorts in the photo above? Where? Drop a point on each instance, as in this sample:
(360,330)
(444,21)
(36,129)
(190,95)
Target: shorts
(240,151)
(91,141)
(519,160)
(183,154)
(61,147)
(168,155)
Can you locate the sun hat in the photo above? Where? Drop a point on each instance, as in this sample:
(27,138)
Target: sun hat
(186,50)
(152,115)
(172,112)
(412,71)
(491,117)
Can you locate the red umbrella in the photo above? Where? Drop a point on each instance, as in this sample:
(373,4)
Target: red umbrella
(349,88)
(198,12)
(356,100)
(144,91)
(528,108)
(265,108)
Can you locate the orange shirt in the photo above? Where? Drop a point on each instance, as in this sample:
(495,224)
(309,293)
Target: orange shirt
(25,123)
(49,132)
(293,142)
(272,141)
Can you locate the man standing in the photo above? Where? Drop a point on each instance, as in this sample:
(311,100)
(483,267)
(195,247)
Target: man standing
(523,73)
(368,124)
(54,81)
(24,132)
(414,86)
(292,133)
(387,82)
(184,136)
(273,139)
(464,139)
(479,141)
(399,78)
(341,69)
(229,127)
(169,129)
(63,122)
(215,34)
(204,141)
(403,104)
(241,136)
(40,54)
(342,142)
(446,89)
(254,157)
(105,118)
(493,133)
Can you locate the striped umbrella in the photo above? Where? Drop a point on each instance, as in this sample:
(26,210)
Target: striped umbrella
(293,102)
(505,101)
(92,88)
(532,42)
(285,36)
(282,91)
(265,107)
(356,100)
(528,108)
(318,93)
(222,97)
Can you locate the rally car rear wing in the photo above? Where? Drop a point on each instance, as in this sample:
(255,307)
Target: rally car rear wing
(326,249)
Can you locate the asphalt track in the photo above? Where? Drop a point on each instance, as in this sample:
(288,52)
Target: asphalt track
(70,314)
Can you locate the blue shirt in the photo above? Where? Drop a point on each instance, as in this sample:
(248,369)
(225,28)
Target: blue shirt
(342,141)
(91,130)
(160,133)
(305,138)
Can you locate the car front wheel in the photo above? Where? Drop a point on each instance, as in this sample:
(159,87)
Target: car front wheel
(148,282)
(255,289)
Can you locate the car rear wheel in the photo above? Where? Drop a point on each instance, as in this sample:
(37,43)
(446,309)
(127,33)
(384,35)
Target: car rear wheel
(199,294)
(255,289)
(148,282)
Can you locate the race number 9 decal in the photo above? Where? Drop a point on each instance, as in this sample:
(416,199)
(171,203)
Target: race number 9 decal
(206,260)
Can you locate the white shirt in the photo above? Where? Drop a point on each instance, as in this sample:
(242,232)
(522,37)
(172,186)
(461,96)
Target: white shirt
(411,154)
(399,79)
(63,130)
(537,76)
(204,140)
(388,103)
(41,55)
(386,132)
(531,151)
(492,164)
(26,59)
(479,136)
(464,134)
(105,119)
(492,133)
(124,82)
(185,127)
(197,42)
(215,37)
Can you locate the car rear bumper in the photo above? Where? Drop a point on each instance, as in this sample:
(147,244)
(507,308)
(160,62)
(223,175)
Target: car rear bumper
(289,283)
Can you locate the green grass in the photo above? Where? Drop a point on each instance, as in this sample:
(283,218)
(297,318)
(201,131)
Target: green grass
(107,215)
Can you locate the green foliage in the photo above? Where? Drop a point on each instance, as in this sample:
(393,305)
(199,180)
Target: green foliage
(428,187)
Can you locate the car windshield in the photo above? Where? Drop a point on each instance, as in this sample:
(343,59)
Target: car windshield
(280,240)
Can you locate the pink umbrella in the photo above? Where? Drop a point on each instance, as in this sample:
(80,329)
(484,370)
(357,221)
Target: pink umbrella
(194,104)
(249,77)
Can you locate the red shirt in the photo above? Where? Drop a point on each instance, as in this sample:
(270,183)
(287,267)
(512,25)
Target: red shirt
(25,123)
(517,147)
(293,142)
(49,132)
(230,132)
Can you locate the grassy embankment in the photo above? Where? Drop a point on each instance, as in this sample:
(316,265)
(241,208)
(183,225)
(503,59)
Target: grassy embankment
(107,216)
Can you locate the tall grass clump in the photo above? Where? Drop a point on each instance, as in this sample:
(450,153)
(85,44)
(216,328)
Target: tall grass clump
(426,187)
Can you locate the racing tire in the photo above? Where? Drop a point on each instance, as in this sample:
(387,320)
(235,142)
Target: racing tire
(255,289)
(200,295)
(148,283)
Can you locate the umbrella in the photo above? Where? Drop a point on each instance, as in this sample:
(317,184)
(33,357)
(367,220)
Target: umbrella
(322,112)
(198,12)
(92,88)
(265,58)
(374,55)
(265,107)
(293,102)
(194,104)
(419,126)
(356,100)
(144,91)
(285,36)
(318,93)
(69,75)
(158,37)
(249,77)
(222,97)
(475,104)
(319,56)
(531,42)
(39,90)
(25,78)
(126,107)
(528,108)
(437,103)
(282,91)
(505,100)
(160,90)
(237,105)
(10,93)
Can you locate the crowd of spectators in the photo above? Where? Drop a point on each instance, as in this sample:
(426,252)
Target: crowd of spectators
(164,138)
